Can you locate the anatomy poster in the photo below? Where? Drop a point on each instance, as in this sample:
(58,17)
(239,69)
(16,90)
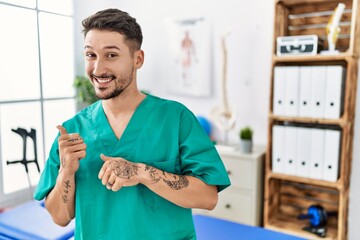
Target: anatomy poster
(190,50)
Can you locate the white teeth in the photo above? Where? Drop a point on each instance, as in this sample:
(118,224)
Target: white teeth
(106,80)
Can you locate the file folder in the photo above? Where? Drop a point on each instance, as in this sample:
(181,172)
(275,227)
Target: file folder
(317,153)
(305,91)
(279,90)
(318,87)
(331,155)
(278,141)
(334,92)
(303,152)
(292,92)
(290,150)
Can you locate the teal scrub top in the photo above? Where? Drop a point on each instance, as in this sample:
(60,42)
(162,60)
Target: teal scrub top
(161,133)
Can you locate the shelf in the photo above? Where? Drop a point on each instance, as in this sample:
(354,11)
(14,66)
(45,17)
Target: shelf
(315,58)
(287,196)
(341,122)
(293,226)
(320,183)
(290,199)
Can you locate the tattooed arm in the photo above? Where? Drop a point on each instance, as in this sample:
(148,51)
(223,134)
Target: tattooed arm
(60,202)
(184,191)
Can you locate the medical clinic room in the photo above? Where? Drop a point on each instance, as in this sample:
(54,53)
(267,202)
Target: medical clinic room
(179,120)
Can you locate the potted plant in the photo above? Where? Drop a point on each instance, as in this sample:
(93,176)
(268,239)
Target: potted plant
(246,135)
(85,94)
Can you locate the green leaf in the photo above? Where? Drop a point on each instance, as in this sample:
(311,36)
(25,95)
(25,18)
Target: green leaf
(84,90)
(246,133)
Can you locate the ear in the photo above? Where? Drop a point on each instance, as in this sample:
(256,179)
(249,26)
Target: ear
(138,58)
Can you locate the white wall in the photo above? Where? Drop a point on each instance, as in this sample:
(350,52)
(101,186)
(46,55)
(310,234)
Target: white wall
(249,62)
(249,55)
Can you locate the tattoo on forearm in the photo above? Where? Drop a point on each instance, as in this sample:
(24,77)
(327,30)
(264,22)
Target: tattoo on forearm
(66,191)
(153,174)
(176,183)
(63,161)
(124,169)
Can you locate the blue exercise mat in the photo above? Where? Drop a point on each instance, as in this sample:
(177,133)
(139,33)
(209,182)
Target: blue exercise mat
(210,228)
(31,221)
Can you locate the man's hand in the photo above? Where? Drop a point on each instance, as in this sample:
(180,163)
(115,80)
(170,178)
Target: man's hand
(118,172)
(71,148)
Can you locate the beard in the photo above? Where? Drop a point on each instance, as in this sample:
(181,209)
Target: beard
(120,86)
(116,92)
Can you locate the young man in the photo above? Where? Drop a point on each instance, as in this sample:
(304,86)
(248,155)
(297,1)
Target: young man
(130,166)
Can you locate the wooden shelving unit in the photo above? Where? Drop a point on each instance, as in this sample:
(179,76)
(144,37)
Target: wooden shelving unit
(288,196)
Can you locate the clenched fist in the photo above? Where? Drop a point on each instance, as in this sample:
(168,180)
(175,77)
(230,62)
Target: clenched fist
(71,149)
(118,172)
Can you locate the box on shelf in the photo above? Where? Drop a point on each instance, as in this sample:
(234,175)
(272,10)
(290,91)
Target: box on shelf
(298,45)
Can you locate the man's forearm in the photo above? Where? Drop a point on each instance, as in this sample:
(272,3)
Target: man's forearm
(185,191)
(61,200)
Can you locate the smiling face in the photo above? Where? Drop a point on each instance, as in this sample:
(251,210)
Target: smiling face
(110,64)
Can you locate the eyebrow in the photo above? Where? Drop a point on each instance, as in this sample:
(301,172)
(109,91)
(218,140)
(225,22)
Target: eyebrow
(106,47)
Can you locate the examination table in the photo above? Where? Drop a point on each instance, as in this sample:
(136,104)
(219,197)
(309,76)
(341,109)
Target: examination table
(31,221)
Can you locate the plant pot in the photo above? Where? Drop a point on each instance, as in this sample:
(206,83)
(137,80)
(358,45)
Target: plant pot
(245,146)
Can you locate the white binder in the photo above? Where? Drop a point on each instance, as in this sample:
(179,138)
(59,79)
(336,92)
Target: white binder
(279,90)
(318,91)
(317,153)
(305,91)
(334,89)
(303,155)
(290,150)
(278,148)
(331,155)
(292,91)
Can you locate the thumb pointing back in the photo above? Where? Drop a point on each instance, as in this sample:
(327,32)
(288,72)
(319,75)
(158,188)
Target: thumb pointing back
(61,129)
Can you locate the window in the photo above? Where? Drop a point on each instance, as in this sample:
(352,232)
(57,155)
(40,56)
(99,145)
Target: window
(24,3)
(36,90)
(56,35)
(20,56)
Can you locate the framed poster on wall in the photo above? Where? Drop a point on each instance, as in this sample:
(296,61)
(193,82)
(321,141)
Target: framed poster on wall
(190,56)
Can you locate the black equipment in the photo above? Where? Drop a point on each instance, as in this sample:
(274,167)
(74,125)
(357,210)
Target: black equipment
(24,134)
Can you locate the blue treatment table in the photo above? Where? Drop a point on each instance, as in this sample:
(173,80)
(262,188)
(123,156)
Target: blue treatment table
(31,221)
(210,228)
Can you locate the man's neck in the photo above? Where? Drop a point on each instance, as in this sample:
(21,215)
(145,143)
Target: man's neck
(124,103)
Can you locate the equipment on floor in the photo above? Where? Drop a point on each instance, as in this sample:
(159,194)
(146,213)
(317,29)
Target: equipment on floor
(318,218)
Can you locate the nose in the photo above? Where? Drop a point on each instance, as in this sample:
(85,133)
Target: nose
(99,67)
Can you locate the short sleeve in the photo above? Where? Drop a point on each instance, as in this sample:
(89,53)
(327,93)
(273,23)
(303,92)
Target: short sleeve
(198,155)
(49,174)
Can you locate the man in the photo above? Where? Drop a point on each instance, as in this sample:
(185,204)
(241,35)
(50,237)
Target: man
(130,166)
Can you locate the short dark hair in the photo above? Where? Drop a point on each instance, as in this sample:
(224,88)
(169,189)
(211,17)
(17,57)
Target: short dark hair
(116,20)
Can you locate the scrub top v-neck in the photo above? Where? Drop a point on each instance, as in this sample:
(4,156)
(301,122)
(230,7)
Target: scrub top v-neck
(161,133)
(105,132)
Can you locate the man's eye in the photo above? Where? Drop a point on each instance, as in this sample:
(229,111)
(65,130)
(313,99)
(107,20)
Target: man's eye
(90,55)
(112,55)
